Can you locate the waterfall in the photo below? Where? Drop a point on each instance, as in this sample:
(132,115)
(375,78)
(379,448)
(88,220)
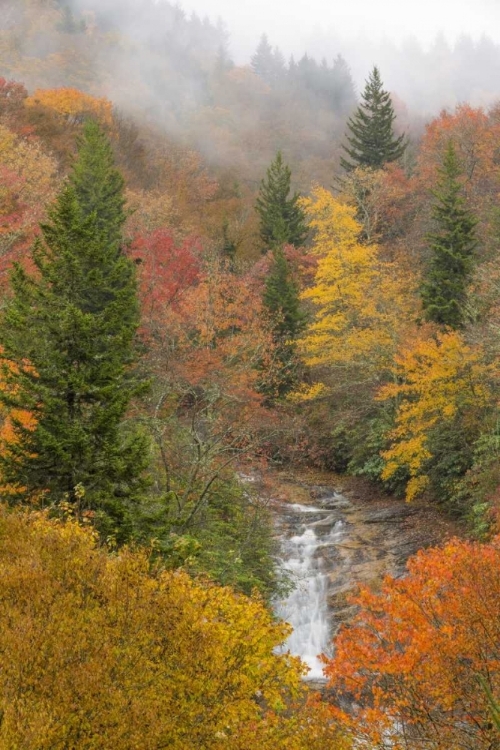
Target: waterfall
(306,533)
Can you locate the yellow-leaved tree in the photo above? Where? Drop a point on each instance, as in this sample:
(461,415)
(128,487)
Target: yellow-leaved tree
(439,382)
(105,651)
(360,301)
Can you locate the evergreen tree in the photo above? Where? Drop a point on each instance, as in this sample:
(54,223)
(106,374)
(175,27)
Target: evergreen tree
(268,64)
(67,338)
(282,305)
(282,221)
(343,94)
(372,142)
(444,290)
(99,186)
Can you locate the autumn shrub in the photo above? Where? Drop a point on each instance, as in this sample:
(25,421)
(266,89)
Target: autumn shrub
(421,659)
(101,650)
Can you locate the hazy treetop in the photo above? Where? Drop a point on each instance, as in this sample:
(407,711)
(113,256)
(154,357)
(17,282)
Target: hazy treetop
(294,24)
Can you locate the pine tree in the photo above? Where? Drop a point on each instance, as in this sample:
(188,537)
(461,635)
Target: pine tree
(372,142)
(282,221)
(444,290)
(282,306)
(68,349)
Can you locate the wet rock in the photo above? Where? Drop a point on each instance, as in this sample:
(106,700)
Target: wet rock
(386,515)
(375,537)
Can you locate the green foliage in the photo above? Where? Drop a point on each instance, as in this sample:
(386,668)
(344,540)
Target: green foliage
(282,220)
(371,138)
(68,338)
(444,289)
(230,538)
(99,186)
(477,492)
(451,447)
(282,307)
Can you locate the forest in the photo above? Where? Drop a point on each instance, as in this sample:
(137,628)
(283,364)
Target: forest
(207,269)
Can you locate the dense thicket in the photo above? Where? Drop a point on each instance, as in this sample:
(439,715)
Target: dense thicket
(100,650)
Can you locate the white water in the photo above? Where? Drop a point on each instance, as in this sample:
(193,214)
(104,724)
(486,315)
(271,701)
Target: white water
(306,607)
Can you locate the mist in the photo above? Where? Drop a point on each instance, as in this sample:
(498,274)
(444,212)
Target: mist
(297,25)
(190,69)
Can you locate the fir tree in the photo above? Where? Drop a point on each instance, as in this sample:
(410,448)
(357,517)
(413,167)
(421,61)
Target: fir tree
(282,221)
(372,142)
(444,290)
(282,307)
(343,94)
(267,63)
(99,186)
(67,338)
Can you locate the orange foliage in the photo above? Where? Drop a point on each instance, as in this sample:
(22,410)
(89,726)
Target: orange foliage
(73,104)
(422,655)
(8,436)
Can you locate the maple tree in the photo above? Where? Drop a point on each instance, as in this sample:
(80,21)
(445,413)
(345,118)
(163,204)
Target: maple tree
(421,658)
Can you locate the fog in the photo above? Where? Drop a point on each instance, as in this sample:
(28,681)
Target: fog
(297,25)
(171,64)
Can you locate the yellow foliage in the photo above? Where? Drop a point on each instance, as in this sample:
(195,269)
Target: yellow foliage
(37,170)
(360,300)
(434,377)
(73,104)
(99,651)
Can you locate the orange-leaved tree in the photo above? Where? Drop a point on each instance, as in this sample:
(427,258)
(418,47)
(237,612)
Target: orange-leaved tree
(421,660)
(73,105)
(104,651)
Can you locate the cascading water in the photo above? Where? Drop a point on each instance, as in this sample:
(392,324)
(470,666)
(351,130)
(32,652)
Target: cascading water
(305,534)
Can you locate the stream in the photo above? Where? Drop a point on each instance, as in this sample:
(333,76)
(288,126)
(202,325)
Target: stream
(330,542)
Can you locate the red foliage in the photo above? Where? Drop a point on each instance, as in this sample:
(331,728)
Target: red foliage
(166,271)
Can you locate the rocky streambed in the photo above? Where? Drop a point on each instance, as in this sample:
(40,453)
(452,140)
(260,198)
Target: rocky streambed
(335,534)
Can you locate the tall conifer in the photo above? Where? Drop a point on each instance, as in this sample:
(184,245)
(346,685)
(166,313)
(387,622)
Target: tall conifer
(67,338)
(371,138)
(444,290)
(282,305)
(282,221)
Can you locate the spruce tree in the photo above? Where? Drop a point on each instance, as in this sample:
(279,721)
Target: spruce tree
(267,63)
(372,142)
(282,306)
(282,221)
(342,91)
(68,350)
(444,290)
